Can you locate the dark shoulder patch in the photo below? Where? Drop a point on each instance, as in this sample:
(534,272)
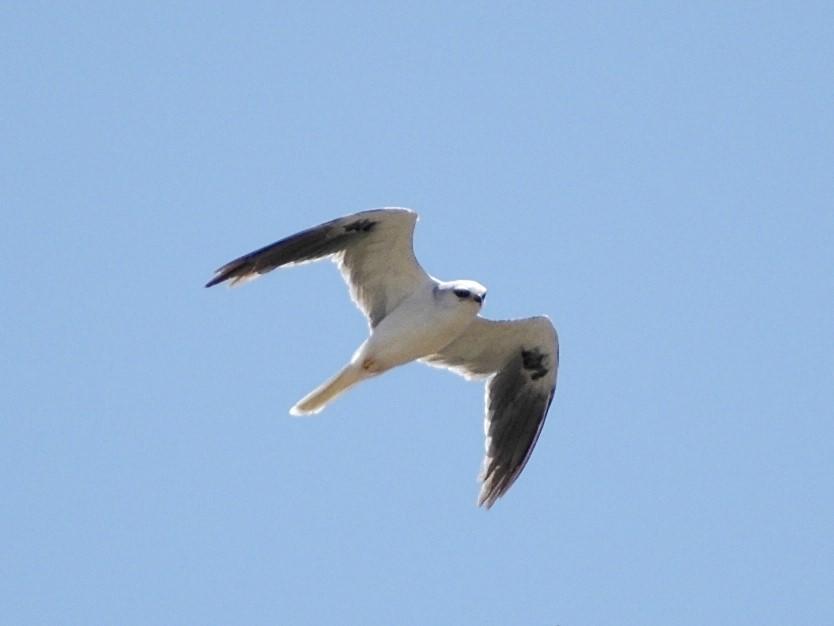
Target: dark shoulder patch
(360,226)
(533,362)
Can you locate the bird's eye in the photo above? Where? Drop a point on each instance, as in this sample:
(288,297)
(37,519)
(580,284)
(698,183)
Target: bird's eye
(462,293)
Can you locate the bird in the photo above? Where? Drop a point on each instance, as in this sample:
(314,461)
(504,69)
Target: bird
(413,316)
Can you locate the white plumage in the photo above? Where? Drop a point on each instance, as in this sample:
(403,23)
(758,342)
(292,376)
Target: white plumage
(413,316)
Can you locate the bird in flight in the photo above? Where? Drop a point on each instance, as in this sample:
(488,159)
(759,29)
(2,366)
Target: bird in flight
(416,317)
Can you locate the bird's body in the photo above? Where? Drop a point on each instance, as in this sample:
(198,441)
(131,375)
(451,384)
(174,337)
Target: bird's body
(413,316)
(422,324)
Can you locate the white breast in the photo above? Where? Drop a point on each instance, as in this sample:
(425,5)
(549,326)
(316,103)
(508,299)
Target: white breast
(423,324)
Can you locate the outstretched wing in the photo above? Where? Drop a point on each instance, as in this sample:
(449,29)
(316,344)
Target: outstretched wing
(521,358)
(373,250)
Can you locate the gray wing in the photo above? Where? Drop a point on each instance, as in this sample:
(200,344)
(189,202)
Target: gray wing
(521,357)
(373,249)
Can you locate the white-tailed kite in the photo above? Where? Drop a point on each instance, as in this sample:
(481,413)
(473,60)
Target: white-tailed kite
(413,316)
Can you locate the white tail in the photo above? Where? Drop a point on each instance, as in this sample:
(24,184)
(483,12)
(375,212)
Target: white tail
(323,395)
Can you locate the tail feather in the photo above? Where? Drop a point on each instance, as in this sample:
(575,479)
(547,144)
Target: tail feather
(323,395)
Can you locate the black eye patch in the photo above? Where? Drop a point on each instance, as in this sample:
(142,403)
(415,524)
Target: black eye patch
(462,293)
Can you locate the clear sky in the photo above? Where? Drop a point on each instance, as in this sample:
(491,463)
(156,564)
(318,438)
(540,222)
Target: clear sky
(658,179)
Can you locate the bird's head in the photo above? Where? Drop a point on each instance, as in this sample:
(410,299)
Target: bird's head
(465,291)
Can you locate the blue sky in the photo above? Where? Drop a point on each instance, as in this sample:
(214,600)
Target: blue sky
(656,178)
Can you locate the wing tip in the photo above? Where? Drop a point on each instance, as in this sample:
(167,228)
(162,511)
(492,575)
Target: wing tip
(486,501)
(234,272)
(493,486)
(492,491)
